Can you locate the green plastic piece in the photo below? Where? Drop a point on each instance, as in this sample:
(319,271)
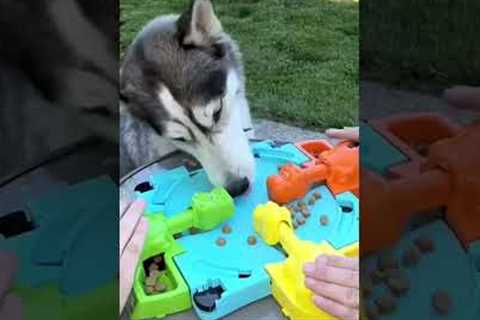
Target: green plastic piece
(208,210)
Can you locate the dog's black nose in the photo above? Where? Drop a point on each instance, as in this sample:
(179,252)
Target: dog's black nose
(238,186)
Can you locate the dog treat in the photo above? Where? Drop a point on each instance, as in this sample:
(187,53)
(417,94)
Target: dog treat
(324,220)
(221,242)
(160,287)
(252,240)
(294,224)
(226,229)
(153,267)
(386,304)
(411,257)
(300,221)
(150,289)
(398,285)
(366,286)
(425,244)
(194,230)
(156,273)
(311,202)
(306,213)
(151,280)
(371,311)
(317,195)
(377,276)
(387,261)
(301,204)
(442,302)
(392,273)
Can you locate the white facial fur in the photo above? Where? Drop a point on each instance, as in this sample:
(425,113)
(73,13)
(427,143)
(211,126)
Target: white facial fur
(226,153)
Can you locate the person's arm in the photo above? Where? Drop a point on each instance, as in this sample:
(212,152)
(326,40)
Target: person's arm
(133,231)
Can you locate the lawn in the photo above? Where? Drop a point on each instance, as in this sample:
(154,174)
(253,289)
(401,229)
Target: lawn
(301,56)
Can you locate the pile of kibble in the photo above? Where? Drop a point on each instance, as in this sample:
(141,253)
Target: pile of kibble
(301,212)
(153,282)
(389,272)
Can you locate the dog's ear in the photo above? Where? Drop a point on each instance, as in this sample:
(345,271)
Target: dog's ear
(199,26)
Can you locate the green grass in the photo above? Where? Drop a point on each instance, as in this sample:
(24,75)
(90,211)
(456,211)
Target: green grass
(301,56)
(417,44)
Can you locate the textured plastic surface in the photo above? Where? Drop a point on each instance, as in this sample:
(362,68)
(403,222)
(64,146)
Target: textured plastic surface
(337,167)
(57,222)
(206,212)
(78,277)
(382,155)
(449,267)
(234,274)
(274,225)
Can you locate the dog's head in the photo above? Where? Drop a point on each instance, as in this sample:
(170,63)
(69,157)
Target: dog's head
(182,76)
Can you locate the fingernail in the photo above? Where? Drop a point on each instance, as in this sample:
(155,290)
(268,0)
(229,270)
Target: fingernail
(308,268)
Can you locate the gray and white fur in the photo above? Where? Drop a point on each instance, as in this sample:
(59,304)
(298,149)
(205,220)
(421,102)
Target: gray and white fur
(182,87)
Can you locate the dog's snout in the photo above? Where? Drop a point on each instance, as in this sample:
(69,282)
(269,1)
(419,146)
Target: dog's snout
(238,186)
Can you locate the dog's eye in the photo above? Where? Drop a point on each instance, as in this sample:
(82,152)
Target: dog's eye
(180,139)
(217,114)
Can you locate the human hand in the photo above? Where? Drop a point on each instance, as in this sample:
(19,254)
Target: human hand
(133,231)
(463,97)
(345,133)
(10,305)
(334,281)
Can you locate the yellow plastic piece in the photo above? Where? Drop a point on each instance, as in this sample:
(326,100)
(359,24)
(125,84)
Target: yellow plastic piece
(273,224)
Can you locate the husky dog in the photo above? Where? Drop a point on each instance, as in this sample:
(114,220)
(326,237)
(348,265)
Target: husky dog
(182,87)
(58,76)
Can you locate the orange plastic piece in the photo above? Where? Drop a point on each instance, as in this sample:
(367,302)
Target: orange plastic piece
(337,166)
(441,177)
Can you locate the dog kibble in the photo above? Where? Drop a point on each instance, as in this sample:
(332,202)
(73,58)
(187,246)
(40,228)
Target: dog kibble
(221,242)
(371,311)
(294,224)
(311,202)
(386,304)
(367,288)
(398,285)
(300,221)
(442,302)
(149,289)
(317,195)
(411,257)
(306,213)
(301,204)
(153,267)
(425,244)
(387,261)
(252,240)
(392,273)
(227,229)
(160,287)
(150,281)
(377,276)
(324,220)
